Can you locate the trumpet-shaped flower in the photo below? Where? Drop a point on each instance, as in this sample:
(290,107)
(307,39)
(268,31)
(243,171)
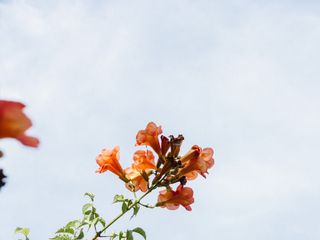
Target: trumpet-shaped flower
(14,123)
(136,180)
(173,199)
(143,160)
(196,161)
(108,159)
(150,137)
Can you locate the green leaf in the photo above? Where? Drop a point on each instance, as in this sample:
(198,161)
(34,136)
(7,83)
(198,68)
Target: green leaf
(61,237)
(90,195)
(84,222)
(120,235)
(92,217)
(140,231)
(24,231)
(66,230)
(136,209)
(18,229)
(118,198)
(73,224)
(102,221)
(87,208)
(124,207)
(113,236)
(129,235)
(81,235)
(93,222)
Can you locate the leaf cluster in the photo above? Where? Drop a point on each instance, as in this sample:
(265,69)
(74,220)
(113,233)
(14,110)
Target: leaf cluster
(127,204)
(128,235)
(23,231)
(75,229)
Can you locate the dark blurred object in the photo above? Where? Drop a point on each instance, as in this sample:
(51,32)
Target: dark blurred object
(2,177)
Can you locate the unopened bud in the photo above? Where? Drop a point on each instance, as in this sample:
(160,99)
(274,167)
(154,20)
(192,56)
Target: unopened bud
(175,145)
(165,145)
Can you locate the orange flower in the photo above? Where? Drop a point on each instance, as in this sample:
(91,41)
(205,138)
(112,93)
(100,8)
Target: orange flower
(196,161)
(140,170)
(149,137)
(108,159)
(143,160)
(137,181)
(193,153)
(172,199)
(14,123)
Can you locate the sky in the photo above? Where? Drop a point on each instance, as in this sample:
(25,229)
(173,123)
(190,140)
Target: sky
(239,76)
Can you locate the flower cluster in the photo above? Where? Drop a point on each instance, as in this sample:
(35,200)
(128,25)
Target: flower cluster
(146,174)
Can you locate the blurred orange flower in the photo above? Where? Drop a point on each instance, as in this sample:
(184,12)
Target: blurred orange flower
(137,181)
(150,137)
(14,123)
(108,159)
(173,199)
(143,160)
(196,161)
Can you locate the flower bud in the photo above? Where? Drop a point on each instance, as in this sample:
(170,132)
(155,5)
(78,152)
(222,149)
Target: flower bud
(176,145)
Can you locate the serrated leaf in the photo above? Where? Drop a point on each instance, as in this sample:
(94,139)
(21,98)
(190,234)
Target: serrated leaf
(140,231)
(90,195)
(24,231)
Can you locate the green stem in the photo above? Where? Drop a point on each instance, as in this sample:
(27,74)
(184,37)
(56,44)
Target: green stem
(98,234)
(146,205)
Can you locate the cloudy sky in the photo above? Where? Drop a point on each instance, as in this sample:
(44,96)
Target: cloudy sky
(239,76)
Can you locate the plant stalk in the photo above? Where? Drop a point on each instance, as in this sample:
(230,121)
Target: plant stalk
(98,234)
